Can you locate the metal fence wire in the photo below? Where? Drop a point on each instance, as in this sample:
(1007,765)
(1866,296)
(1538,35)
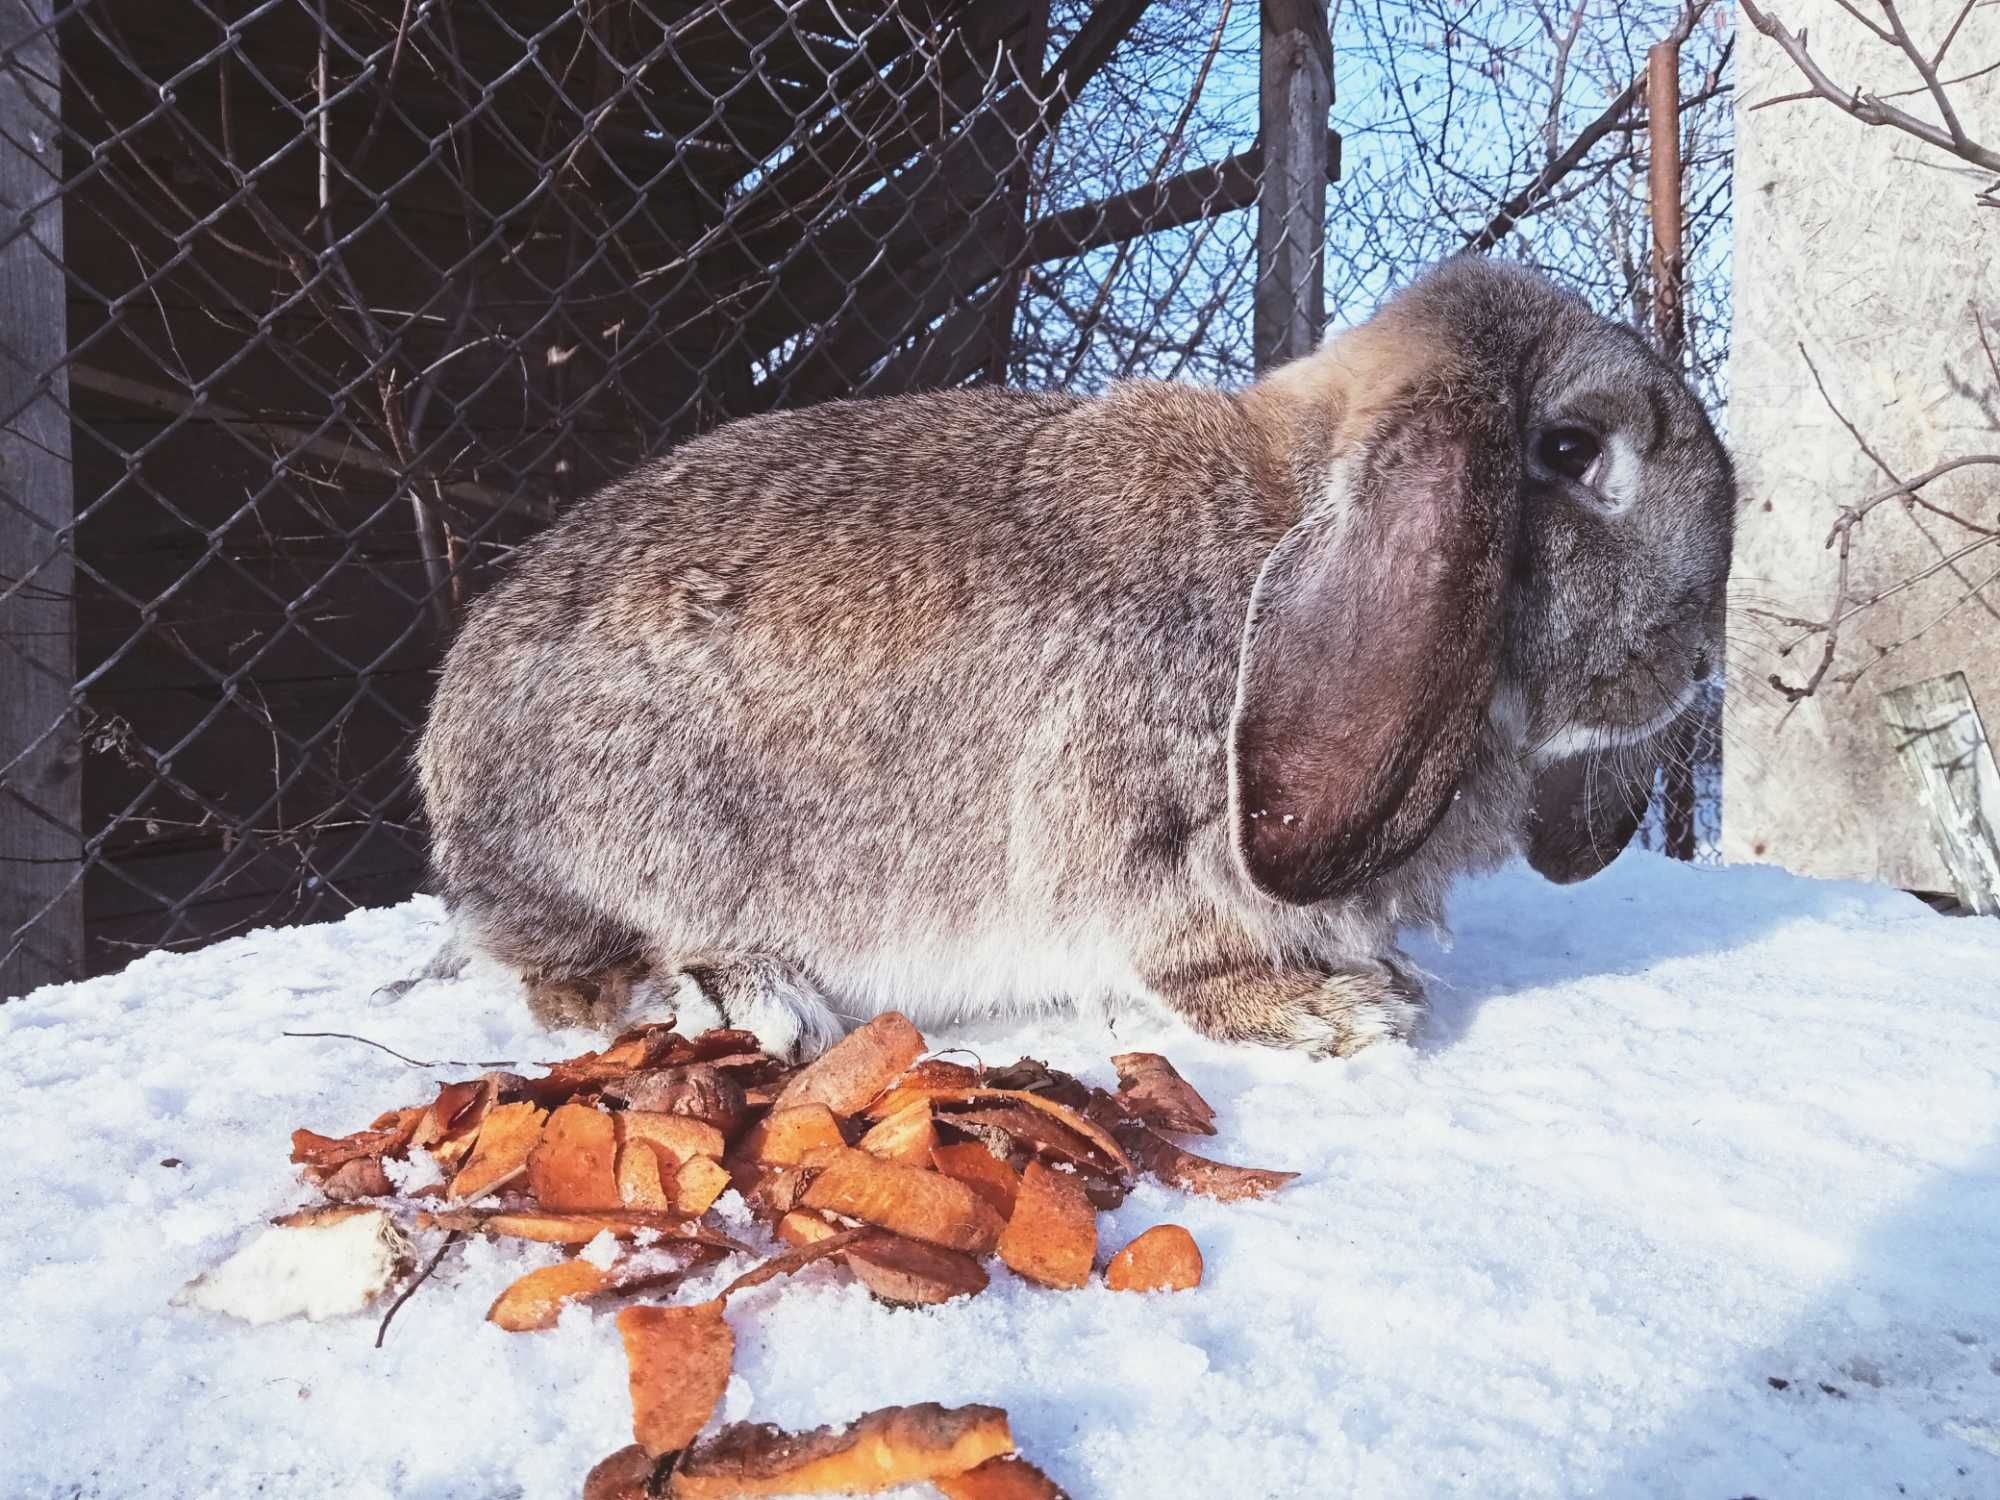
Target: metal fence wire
(312,310)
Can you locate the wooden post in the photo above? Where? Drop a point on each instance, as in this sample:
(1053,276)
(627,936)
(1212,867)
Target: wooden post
(1663,134)
(1936,731)
(41,803)
(1296,91)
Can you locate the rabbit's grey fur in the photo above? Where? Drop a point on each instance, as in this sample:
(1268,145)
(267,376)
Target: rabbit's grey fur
(927,703)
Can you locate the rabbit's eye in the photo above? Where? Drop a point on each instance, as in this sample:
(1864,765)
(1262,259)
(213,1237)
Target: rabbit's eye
(1569,451)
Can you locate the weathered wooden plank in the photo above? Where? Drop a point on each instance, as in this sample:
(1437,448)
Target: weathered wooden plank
(282,438)
(1938,735)
(41,796)
(487,428)
(1295,92)
(195,896)
(222,623)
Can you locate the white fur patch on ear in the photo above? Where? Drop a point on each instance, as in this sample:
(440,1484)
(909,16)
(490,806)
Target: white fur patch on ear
(1620,471)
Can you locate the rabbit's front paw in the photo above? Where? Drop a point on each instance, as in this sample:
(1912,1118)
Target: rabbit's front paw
(765,996)
(1328,1015)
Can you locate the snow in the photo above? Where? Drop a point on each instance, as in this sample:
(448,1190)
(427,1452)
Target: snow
(1674,1137)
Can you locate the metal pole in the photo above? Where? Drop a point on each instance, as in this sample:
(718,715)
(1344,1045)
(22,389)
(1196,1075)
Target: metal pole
(1663,133)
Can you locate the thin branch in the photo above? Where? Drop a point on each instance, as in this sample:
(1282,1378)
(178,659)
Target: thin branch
(1952,82)
(1168,148)
(1841,536)
(1937,57)
(410,1291)
(1831,642)
(1906,489)
(1564,45)
(1851,516)
(1529,198)
(1949,561)
(1883,653)
(415,1062)
(1881,33)
(1873,109)
(1926,72)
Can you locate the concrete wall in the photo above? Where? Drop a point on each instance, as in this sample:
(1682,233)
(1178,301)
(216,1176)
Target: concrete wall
(1865,246)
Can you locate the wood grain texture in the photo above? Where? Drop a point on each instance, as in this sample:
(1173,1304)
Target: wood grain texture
(1294,94)
(41,886)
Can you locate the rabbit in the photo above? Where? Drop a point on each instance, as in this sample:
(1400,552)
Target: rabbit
(978,701)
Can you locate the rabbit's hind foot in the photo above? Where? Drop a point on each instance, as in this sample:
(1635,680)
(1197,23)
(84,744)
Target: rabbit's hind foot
(1327,1015)
(773,1000)
(601,1001)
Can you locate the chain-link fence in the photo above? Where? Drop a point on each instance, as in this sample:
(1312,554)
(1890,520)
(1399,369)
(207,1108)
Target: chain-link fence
(311,310)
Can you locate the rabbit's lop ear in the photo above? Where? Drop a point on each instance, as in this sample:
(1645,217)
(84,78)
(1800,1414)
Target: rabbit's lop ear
(1371,648)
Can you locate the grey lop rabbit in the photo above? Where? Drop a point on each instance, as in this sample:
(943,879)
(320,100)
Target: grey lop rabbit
(975,701)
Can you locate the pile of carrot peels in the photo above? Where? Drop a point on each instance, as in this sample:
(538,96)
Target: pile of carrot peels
(909,1172)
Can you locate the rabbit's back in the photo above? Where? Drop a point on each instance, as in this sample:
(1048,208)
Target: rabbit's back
(881,686)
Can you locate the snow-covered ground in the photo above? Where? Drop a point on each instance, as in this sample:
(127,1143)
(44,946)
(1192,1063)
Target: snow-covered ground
(1691,1189)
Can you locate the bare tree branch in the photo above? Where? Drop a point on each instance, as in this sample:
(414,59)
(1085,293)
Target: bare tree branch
(1841,607)
(1566,161)
(1874,109)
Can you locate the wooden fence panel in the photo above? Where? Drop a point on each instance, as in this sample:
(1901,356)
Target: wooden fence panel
(41,811)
